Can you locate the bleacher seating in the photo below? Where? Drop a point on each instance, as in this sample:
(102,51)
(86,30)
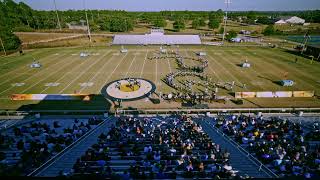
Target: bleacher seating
(155,148)
(278,143)
(27,146)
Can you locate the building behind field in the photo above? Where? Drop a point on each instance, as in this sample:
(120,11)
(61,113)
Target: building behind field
(290,20)
(77,26)
(156,36)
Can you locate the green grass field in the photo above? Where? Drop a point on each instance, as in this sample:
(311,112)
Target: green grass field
(64,67)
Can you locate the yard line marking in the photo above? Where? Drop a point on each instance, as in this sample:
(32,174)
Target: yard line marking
(75,67)
(144,61)
(243,72)
(280,64)
(289,68)
(106,63)
(217,62)
(30,69)
(84,72)
(47,76)
(39,72)
(158,84)
(169,63)
(113,71)
(14,60)
(134,58)
(220,80)
(44,59)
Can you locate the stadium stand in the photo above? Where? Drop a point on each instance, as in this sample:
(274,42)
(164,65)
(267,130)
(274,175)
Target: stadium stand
(156,37)
(155,148)
(25,147)
(279,143)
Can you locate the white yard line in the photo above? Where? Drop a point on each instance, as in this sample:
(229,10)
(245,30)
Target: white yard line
(134,58)
(224,69)
(144,61)
(219,79)
(47,76)
(30,69)
(96,74)
(14,60)
(70,72)
(44,59)
(84,71)
(158,84)
(39,72)
(112,72)
(169,63)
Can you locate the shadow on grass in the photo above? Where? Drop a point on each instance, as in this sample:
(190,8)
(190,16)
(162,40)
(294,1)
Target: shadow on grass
(277,82)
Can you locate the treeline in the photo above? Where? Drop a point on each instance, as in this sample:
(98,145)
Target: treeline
(20,17)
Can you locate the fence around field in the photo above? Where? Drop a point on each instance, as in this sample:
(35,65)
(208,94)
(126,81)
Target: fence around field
(217,111)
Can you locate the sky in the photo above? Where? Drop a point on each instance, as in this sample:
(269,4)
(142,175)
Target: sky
(158,5)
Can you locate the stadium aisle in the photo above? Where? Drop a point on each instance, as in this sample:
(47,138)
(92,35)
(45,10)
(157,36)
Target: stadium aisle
(239,161)
(68,159)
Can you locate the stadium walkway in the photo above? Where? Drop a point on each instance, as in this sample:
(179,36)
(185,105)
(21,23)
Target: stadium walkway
(239,160)
(66,161)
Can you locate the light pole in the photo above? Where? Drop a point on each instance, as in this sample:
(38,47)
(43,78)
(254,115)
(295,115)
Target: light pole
(55,7)
(227,2)
(88,27)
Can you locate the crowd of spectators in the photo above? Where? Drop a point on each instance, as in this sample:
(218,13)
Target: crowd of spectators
(26,147)
(158,148)
(278,143)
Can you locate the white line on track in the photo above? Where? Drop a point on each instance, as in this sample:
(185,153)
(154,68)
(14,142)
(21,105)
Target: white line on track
(96,74)
(84,72)
(30,69)
(134,58)
(113,71)
(39,72)
(144,61)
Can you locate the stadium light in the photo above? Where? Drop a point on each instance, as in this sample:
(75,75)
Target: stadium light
(227,2)
(55,7)
(88,27)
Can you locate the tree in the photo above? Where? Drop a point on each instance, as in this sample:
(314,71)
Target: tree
(10,40)
(251,17)
(195,24)
(179,25)
(214,23)
(265,20)
(269,30)
(202,22)
(159,22)
(231,34)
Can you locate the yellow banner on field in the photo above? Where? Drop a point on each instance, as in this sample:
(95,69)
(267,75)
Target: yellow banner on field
(52,97)
(276,94)
(265,94)
(303,93)
(245,94)
(283,94)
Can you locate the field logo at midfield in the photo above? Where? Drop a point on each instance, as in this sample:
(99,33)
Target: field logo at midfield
(128,89)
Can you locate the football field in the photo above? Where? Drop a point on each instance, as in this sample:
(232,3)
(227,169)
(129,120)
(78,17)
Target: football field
(63,71)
